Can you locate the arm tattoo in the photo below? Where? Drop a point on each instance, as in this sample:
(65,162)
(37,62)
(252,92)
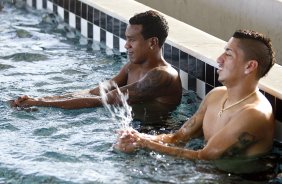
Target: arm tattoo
(188,131)
(244,141)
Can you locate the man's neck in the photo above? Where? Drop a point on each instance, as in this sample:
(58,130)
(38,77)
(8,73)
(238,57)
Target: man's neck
(153,61)
(236,93)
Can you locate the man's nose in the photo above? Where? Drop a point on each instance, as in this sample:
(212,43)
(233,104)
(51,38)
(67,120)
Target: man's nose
(220,59)
(126,45)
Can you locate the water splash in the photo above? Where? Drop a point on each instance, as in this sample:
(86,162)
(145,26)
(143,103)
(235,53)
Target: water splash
(120,112)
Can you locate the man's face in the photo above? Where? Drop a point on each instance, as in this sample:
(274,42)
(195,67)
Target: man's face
(231,63)
(137,47)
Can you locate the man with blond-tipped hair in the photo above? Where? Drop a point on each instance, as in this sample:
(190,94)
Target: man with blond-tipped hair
(236,119)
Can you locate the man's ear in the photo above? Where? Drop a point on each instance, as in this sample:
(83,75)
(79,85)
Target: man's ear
(251,66)
(154,42)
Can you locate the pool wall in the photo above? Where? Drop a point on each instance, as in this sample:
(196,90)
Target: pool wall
(227,16)
(191,51)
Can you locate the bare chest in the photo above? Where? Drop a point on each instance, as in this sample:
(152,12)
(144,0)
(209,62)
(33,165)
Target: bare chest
(135,75)
(213,123)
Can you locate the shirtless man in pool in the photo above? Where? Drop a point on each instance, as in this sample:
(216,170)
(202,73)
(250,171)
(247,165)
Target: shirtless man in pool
(146,77)
(236,119)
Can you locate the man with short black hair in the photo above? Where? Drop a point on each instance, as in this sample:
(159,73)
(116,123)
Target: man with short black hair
(147,77)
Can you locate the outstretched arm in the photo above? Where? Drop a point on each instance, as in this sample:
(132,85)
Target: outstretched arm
(130,140)
(65,103)
(244,136)
(76,100)
(156,83)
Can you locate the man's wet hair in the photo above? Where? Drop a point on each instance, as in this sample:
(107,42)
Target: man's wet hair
(153,25)
(257,46)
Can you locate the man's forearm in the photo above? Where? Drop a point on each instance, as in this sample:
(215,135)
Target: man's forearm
(162,138)
(72,103)
(169,150)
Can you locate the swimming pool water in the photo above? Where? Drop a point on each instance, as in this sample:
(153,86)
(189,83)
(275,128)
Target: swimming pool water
(40,56)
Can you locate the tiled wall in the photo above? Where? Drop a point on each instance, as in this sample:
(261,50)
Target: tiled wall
(97,25)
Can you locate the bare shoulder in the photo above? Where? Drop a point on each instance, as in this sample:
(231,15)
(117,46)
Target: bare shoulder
(260,109)
(163,75)
(257,116)
(215,94)
(263,104)
(165,70)
(218,90)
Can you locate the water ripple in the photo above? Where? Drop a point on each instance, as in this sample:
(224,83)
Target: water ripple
(45,131)
(60,157)
(4,66)
(8,126)
(21,33)
(27,57)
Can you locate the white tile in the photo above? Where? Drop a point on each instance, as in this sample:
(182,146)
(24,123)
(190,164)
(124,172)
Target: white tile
(201,88)
(109,40)
(184,79)
(83,27)
(50,6)
(61,12)
(29,3)
(122,43)
(72,20)
(96,33)
(39,4)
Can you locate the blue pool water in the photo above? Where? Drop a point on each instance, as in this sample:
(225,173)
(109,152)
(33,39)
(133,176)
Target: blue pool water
(41,57)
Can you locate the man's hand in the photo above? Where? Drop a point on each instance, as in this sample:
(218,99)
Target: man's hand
(23,101)
(128,141)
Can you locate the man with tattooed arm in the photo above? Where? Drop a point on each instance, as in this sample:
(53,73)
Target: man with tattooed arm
(147,77)
(236,119)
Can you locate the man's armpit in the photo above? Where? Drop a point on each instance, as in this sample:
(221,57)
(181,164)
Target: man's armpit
(244,141)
